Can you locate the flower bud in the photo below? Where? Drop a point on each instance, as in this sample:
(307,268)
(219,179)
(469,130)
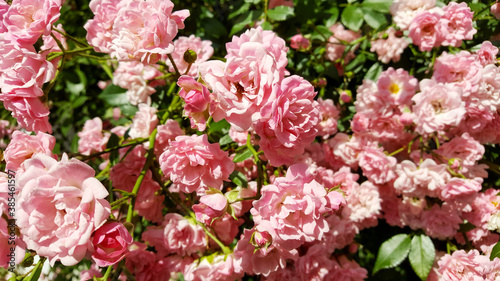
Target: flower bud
(190,56)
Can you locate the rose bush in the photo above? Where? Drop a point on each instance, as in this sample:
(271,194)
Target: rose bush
(183,140)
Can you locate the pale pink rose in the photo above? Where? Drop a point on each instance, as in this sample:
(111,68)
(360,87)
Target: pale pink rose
(484,207)
(275,3)
(441,222)
(166,133)
(176,235)
(397,87)
(268,40)
(100,28)
(329,115)
(335,48)
(91,138)
(226,228)
(3,9)
(255,63)
(425,180)
(427,31)
(139,261)
(495,10)
(363,205)
(404,11)
(88,274)
(289,123)
(253,259)
(135,77)
(292,208)
(60,205)
(202,48)
(487,53)
(211,207)
(390,48)
(299,42)
(377,166)
(437,107)
(343,150)
(197,99)
(194,164)
(315,265)
(458,20)
(10,258)
(219,268)
(461,266)
(342,179)
(460,188)
(342,232)
(347,270)
(125,174)
(134,29)
(111,244)
(7,181)
(31,113)
(463,148)
(23,146)
(144,122)
(240,137)
(27,20)
(369,99)
(462,69)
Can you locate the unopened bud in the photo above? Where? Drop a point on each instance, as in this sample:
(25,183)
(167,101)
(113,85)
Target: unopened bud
(190,56)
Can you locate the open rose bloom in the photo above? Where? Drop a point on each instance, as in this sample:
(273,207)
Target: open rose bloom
(249,140)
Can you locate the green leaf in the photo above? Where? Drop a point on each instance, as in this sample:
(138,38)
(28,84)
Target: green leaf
(378,5)
(215,28)
(352,17)
(221,126)
(374,71)
(79,101)
(226,139)
(35,274)
(321,32)
(114,95)
(242,155)
(373,18)
(422,254)
(245,19)
(359,60)
(495,252)
(239,179)
(280,13)
(392,252)
(334,16)
(266,26)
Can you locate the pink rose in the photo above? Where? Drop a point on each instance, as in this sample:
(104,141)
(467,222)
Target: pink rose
(202,48)
(176,235)
(404,11)
(299,42)
(495,10)
(488,53)
(197,98)
(111,244)
(211,207)
(390,48)
(426,31)
(458,20)
(134,29)
(60,205)
(10,258)
(135,77)
(91,138)
(377,166)
(144,122)
(23,146)
(289,124)
(166,133)
(194,164)
(27,20)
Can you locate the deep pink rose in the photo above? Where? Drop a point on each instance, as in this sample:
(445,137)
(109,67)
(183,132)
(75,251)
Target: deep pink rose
(111,244)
